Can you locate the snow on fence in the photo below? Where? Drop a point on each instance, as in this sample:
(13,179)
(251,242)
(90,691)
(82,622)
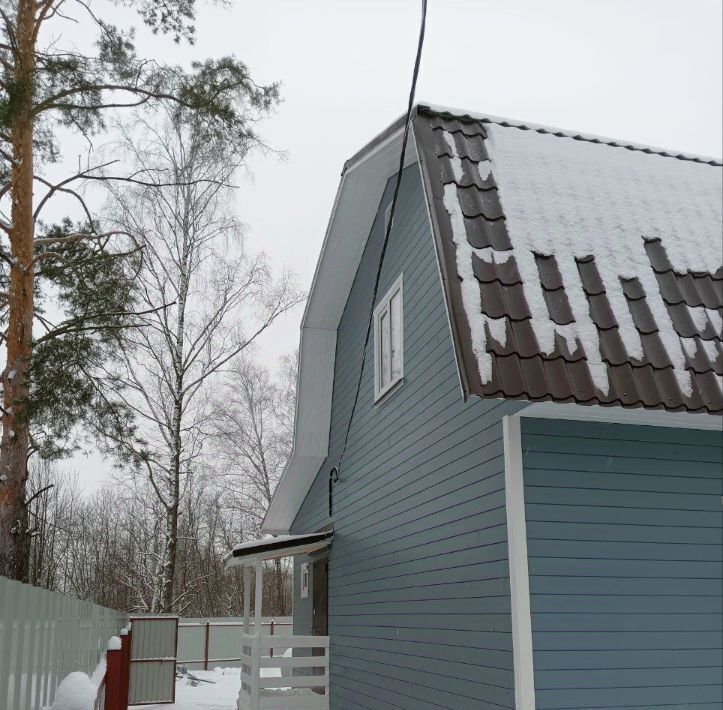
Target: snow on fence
(43,637)
(206,643)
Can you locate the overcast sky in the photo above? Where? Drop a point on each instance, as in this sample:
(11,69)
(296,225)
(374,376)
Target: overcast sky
(643,70)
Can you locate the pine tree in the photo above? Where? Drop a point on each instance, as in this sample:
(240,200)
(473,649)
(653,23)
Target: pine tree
(47,87)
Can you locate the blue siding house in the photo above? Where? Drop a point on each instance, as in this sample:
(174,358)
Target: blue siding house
(513,486)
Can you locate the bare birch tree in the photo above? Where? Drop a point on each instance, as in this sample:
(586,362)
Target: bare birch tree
(254,425)
(216,299)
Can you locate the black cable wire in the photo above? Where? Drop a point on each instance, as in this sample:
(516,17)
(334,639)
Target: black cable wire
(336,471)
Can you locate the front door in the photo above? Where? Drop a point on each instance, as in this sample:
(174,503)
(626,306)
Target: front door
(320,622)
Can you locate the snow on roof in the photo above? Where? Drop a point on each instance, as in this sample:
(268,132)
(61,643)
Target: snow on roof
(248,553)
(577,269)
(426,107)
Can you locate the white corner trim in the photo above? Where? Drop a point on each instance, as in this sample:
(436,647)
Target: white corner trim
(519,574)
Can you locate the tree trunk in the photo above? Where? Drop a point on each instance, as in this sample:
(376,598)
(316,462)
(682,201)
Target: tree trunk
(171,542)
(169,570)
(169,559)
(280,588)
(14,538)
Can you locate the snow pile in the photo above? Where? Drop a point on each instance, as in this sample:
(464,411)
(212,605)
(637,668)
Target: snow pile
(114,643)
(574,199)
(75,692)
(78,692)
(219,689)
(220,692)
(99,672)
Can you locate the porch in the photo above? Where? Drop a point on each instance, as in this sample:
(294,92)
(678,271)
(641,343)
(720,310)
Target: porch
(295,676)
(279,672)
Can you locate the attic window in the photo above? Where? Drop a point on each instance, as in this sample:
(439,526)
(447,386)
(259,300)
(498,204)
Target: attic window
(389,340)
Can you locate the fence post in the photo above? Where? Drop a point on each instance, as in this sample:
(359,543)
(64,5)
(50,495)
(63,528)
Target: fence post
(125,666)
(113,675)
(271,634)
(205,650)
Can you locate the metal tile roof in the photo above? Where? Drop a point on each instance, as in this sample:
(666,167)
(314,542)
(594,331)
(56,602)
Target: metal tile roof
(650,332)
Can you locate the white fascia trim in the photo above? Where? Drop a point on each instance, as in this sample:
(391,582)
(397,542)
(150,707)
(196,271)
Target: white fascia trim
(348,229)
(621,415)
(382,145)
(519,573)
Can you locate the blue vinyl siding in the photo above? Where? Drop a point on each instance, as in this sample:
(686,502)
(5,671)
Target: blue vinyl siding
(419,609)
(625,547)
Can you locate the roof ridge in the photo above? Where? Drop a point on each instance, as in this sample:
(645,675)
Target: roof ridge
(473,117)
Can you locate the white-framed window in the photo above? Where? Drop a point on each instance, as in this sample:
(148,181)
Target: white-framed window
(304,580)
(389,340)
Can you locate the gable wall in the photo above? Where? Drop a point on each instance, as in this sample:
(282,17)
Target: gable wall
(419,610)
(625,552)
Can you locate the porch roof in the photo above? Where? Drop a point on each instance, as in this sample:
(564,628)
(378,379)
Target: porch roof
(249,553)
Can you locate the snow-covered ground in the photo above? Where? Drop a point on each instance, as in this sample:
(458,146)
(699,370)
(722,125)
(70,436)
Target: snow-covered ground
(221,694)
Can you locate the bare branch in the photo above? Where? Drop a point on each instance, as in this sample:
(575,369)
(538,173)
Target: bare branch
(37,494)
(81,322)
(59,187)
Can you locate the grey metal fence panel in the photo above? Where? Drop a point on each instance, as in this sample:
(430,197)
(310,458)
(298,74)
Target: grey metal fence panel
(153,659)
(44,636)
(224,639)
(152,683)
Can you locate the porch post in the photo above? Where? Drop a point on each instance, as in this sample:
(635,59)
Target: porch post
(259,595)
(247,597)
(245,667)
(256,643)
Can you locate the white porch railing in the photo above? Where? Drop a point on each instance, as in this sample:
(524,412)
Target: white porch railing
(295,677)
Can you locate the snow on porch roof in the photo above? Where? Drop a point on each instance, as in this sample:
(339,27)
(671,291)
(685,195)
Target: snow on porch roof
(248,553)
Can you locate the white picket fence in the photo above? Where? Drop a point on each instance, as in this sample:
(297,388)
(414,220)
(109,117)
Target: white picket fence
(43,637)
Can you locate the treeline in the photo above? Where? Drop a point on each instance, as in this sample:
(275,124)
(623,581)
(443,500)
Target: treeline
(129,304)
(130,326)
(108,546)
